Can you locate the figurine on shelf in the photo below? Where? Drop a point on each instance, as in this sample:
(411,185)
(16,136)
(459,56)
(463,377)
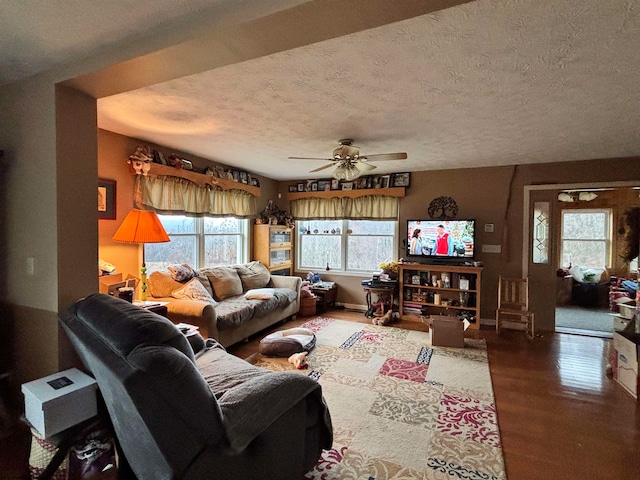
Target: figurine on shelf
(141,160)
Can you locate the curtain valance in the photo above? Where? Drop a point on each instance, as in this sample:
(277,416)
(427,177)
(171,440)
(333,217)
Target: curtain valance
(368,207)
(171,195)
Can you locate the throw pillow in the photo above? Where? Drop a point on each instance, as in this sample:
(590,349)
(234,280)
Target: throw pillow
(162,285)
(259,294)
(193,290)
(225,282)
(181,273)
(253,275)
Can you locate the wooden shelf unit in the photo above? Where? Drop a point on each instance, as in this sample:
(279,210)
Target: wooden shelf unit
(426,273)
(273,246)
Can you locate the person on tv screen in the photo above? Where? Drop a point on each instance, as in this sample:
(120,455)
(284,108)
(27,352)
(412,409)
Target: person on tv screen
(415,247)
(444,245)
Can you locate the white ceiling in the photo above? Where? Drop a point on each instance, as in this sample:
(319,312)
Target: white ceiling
(492,82)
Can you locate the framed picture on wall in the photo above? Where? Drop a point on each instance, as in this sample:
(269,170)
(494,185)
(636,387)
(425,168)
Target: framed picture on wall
(301,187)
(384,181)
(335,184)
(401,179)
(106,199)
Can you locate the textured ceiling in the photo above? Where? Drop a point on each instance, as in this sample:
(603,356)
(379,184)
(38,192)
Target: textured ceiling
(492,82)
(36,35)
(485,83)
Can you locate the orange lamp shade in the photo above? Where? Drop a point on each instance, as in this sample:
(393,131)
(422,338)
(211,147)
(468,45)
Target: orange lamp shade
(141,226)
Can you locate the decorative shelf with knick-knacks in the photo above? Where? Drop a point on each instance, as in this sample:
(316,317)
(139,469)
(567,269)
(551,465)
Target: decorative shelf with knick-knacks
(201,179)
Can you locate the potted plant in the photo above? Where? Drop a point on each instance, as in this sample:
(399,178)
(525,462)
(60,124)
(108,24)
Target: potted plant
(390,268)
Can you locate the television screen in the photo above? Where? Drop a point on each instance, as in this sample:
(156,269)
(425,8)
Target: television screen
(441,239)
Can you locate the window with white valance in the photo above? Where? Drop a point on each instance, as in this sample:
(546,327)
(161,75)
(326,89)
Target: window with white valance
(348,235)
(174,195)
(367,207)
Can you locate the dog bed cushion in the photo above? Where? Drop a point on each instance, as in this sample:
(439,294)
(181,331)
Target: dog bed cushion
(287,342)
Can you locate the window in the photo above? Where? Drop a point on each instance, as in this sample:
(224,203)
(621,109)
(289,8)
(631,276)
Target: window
(198,242)
(541,232)
(345,245)
(586,237)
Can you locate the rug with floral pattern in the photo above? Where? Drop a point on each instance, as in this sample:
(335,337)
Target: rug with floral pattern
(401,409)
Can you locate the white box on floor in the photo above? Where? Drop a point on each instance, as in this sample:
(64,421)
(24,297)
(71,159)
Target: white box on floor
(626,373)
(59,401)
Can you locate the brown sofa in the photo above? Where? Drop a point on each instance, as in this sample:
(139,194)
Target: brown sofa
(230,317)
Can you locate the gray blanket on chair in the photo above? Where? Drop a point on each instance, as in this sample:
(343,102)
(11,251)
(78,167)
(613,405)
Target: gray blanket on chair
(252,398)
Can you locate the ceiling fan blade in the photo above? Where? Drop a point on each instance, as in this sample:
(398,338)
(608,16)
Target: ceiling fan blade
(385,156)
(321,168)
(311,158)
(364,167)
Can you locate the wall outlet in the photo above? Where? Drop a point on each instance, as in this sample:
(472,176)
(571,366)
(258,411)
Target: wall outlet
(31,266)
(491,248)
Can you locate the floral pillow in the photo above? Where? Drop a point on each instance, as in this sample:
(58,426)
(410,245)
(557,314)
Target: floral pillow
(182,273)
(194,290)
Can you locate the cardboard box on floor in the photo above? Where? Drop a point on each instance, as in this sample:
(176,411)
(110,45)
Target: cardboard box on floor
(446,331)
(110,282)
(627,355)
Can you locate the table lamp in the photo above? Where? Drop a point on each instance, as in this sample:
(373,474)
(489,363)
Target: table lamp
(141,226)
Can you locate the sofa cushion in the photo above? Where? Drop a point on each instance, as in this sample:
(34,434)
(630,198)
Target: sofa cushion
(193,290)
(181,273)
(162,285)
(225,282)
(237,310)
(253,275)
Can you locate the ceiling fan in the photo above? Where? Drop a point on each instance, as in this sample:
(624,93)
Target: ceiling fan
(350,164)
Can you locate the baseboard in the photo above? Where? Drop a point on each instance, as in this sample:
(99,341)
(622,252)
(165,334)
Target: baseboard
(353,306)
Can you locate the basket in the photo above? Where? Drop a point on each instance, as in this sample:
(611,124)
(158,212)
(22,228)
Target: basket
(307,306)
(419,297)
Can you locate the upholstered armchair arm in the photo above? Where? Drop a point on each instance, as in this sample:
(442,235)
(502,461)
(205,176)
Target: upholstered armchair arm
(283,281)
(194,312)
(251,407)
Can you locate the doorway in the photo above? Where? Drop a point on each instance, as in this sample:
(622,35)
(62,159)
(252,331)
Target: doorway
(581,305)
(587,244)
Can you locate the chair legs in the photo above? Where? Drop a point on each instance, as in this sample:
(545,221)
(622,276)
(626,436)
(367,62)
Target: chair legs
(531,326)
(529,323)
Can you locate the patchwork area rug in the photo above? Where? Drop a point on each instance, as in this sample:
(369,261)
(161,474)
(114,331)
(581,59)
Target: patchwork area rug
(401,409)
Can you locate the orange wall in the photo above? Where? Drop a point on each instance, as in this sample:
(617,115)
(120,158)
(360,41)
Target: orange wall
(113,152)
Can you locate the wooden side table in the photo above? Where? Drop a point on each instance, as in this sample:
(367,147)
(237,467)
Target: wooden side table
(156,307)
(326,297)
(385,294)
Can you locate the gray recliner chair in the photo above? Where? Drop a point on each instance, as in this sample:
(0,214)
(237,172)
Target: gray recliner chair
(178,417)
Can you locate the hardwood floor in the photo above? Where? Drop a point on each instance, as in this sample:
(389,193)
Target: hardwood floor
(560,416)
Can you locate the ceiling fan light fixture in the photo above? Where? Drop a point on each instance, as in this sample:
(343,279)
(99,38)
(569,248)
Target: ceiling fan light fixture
(346,172)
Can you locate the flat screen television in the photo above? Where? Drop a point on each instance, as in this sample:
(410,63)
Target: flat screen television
(441,241)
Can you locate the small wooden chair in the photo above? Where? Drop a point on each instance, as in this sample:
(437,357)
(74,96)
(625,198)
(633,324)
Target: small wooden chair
(513,303)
